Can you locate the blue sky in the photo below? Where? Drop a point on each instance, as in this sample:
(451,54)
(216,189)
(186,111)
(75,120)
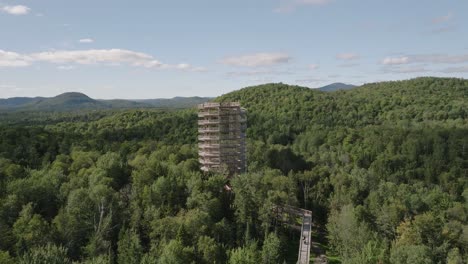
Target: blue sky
(161,49)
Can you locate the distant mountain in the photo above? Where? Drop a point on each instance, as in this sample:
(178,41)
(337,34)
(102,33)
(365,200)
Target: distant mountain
(62,102)
(77,101)
(176,102)
(66,101)
(17,101)
(336,86)
(121,103)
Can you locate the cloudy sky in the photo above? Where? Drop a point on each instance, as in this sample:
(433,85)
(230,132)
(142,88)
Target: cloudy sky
(154,49)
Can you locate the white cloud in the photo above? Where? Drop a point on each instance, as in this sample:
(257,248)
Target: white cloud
(86,40)
(258,59)
(440,58)
(442,25)
(395,60)
(151,64)
(426,58)
(183,66)
(313,67)
(13,59)
(347,56)
(291,5)
(16,10)
(199,69)
(463,69)
(258,73)
(7,86)
(262,80)
(314,2)
(405,69)
(442,19)
(93,56)
(411,69)
(441,30)
(418,63)
(348,65)
(111,56)
(65,67)
(310,80)
(180,66)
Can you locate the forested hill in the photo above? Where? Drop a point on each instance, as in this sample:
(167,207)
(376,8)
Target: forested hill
(290,109)
(73,101)
(383,168)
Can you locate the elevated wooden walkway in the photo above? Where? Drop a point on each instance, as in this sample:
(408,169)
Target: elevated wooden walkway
(289,214)
(304,244)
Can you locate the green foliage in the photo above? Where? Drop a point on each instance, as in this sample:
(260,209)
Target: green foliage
(209,251)
(102,259)
(272,250)
(454,257)
(410,254)
(48,254)
(382,167)
(174,253)
(129,247)
(30,230)
(5,258)
(352,239)
(248,254)
(255,196)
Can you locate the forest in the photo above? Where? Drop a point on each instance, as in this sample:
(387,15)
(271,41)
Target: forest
(383,167)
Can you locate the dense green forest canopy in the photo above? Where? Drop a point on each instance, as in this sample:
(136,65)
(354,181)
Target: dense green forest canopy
(383,167)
